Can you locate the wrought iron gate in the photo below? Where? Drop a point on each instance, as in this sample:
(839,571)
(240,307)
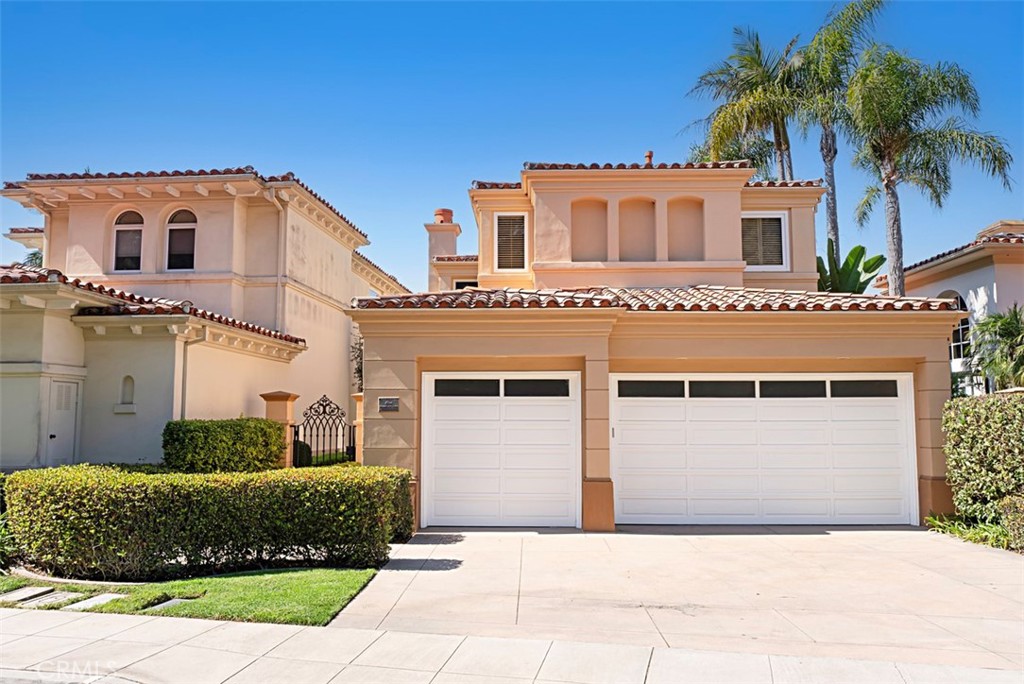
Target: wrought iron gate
(323,437)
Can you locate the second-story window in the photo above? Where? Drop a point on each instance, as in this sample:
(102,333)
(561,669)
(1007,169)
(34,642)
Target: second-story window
(181,240)
(128,241)
(764,241)
(510,242)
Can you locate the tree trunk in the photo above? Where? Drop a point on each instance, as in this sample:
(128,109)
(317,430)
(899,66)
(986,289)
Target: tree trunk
(828,155)
(894,238)
(780,157)
(787,152)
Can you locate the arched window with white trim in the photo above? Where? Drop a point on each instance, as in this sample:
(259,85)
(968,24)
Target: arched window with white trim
(181,241)
(128,241)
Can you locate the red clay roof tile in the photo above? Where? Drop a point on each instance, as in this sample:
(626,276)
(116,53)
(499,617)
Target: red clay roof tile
(25,231)
(695,298)
(998,239)
(550,166)
(129,304)
(496,185)
(449,258)
(367,259)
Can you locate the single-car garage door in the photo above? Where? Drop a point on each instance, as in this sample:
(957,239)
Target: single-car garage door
(763,448)
(501,449)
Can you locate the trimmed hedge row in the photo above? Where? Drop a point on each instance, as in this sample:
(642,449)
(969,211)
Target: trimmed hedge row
(1012,510)
(984,452)
(89,521)
(210,446)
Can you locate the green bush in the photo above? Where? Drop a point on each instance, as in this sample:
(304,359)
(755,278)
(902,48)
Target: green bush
(1012,510)
(99,522)
(302,454)
(984,452)
(210,446)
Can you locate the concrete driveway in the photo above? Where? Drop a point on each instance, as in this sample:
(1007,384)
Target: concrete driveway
(892,594)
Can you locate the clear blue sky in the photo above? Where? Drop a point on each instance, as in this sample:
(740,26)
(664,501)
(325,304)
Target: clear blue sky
(390,110)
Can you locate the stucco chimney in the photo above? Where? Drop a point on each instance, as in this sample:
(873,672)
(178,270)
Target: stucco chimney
(649,157)
(443,237)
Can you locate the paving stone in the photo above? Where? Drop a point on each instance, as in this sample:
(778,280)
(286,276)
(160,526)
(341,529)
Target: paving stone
(24,594)
(168,603)
(97,600)
(50,599)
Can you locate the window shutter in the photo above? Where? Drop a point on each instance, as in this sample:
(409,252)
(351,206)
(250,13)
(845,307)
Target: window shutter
(762,241)
(512,242)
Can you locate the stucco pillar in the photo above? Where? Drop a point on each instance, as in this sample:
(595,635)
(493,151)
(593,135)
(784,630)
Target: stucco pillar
(931,392)
(598,498)
(661,229)
(357,425)
(281,408)
(613,229)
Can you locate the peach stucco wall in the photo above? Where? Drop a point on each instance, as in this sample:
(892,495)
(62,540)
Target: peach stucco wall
(402,345)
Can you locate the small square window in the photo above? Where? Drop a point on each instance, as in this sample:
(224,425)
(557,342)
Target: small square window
(792,389)
(651,388)
(864,388)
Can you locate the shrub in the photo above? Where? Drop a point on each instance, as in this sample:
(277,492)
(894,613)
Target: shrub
(984,452)
(209,446)
(302,454)
(1012,510)
(99,522)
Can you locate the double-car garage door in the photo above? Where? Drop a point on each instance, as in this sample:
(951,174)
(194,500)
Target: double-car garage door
(505,449)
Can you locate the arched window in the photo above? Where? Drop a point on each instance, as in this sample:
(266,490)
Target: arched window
(127,390)
(960,344)
(181,241)
(128,241)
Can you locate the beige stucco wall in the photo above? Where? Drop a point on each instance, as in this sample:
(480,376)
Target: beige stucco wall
(400,346)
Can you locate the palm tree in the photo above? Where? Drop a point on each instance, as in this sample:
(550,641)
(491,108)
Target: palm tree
(899,120)
(826,65)
(34,258)
(756,87)
(997,347)
(757,148)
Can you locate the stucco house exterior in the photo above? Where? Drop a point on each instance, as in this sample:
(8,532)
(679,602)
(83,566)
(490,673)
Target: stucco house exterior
(171,294)
(985,276)
(642,343)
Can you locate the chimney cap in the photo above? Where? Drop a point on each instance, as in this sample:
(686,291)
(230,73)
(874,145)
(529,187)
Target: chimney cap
(443,215)
(649,157)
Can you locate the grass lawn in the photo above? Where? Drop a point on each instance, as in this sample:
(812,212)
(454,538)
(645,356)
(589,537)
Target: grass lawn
(297,597)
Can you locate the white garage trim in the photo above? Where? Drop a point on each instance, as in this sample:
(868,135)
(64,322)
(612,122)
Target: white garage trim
(731,481)
(429,449)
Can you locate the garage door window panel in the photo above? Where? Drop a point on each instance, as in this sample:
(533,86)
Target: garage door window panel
(792,389)
(652,388)
(536,388)
(864,388)
(722,389)
(467,388)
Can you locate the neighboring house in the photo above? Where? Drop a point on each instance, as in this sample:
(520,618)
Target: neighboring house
(166,295)
(643,345)
(985,276)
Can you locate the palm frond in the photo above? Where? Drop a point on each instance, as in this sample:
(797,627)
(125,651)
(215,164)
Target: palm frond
(862,214)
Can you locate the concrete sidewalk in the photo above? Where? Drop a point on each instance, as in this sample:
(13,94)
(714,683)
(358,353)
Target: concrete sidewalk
(57,646)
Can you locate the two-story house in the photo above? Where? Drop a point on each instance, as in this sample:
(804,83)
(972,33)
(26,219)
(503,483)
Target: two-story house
(171,294)
(985,276)
(642,343)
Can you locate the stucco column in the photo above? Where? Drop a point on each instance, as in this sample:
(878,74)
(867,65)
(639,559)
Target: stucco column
(931,392)
(281,408)
(613,229)
(661,229)
(357,425)
(598,498)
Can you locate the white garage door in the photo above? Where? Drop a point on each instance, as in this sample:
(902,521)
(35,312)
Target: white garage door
(501,449)
(763,449)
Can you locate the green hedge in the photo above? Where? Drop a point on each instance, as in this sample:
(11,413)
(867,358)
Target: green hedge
(984,452)
(210,446)
(99,522)
(1012,510)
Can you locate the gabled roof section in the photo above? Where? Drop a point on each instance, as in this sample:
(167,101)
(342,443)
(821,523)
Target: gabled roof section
(997,239)
(285,179)
(127,304)
(698,298)
(361,259)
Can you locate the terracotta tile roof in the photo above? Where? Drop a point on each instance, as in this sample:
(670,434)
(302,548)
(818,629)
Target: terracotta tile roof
(449,258)
(508,298)
(998,239)
(288,177)
(816,183)
(372,263)
(25,231)
(696,298)
(129,304)
(496,185)
(548,166)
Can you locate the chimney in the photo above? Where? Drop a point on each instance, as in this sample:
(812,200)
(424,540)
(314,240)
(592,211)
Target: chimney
(442,236)
(649,157)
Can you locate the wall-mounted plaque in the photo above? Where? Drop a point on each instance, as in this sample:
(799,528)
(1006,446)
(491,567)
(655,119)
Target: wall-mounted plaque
(387,404)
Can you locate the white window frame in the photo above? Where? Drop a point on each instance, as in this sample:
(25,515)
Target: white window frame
(465,284)
(142,243)
(784,215)
(167,243)
(526,241)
